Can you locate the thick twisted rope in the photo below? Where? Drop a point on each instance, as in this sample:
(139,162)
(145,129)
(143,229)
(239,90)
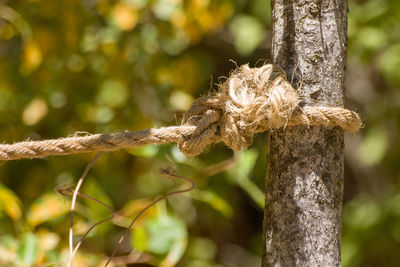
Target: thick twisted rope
(250,101)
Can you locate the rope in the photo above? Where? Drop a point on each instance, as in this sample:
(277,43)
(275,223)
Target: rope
(250,101)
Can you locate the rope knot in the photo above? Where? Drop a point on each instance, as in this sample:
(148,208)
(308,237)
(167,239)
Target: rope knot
(250,101)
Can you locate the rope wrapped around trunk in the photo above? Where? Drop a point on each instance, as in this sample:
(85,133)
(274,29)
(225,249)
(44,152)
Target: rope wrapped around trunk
(250,101)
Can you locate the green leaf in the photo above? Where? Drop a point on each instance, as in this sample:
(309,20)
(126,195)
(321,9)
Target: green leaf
(8,242)
(113,93)
(372,37)
(164,9)
(241,175)
(248,33)
(28,250)
(362,213)
(149,151)
(350,253)
(139,238)
(163,232)
(96,211)
(389,63)
(246,162)
(374,147)
(52,256)
(214,200)
(175,253)
(202,248)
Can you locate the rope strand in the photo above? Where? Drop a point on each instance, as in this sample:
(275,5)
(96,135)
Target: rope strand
(250,101)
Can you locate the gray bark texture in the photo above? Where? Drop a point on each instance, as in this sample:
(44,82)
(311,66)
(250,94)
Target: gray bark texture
(304,184)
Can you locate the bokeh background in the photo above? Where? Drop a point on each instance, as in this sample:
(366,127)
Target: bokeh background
(103,66)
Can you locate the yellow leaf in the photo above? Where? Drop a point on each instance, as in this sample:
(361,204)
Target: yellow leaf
(10,203)
(34,111)
(125,16)
(32,58)
(47,240)
(180,100)
(46,208)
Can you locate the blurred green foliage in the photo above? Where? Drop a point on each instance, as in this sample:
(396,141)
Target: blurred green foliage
(103,66)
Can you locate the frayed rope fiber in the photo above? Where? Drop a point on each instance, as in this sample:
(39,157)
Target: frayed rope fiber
(250,101)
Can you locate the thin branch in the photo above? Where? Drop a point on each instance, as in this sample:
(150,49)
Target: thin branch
(168,172)
(63,190)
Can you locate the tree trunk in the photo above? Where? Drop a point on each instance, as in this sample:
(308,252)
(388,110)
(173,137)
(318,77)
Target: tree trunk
(304,184)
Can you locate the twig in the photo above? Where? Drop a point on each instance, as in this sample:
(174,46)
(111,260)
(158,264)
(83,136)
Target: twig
(168,172)
(65,190)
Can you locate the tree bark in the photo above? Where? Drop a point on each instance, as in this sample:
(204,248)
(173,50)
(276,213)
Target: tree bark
(304,184)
